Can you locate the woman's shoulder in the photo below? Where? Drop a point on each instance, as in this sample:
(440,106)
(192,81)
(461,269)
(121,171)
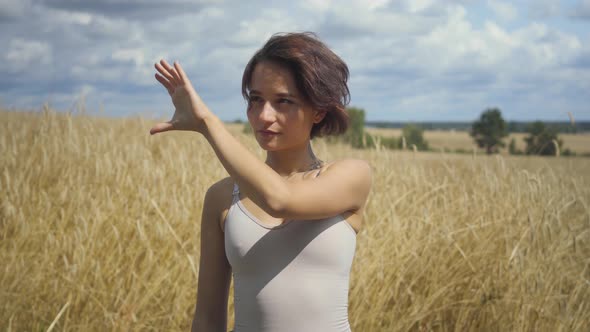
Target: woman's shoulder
(355,174)
(357,167)
(219,196)
(220,188)
(218,199)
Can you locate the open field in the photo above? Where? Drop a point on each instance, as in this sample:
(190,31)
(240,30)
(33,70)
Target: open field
(99,230)
(454,140)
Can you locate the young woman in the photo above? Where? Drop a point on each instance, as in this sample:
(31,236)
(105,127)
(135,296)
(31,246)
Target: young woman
(285,228)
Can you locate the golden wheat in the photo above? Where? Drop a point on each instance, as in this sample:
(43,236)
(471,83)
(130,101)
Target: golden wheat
(99,230)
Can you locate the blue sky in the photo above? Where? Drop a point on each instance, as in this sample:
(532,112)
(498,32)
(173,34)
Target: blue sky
(410,60)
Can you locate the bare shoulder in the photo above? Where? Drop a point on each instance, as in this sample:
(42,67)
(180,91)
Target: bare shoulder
(351,163)
(357,169)
(221,187)
(357,177)
(218,198)
(351,176)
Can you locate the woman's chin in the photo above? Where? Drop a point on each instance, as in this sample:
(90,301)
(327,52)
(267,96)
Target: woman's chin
(266,146)
(275,144)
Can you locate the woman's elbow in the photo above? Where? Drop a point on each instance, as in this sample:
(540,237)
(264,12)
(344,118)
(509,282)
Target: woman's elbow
(276,203)
(276,207)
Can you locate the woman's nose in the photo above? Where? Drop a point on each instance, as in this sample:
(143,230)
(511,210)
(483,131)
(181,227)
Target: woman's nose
(267,113)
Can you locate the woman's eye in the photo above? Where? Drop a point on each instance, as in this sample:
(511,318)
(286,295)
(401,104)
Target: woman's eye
(285,101)
(254,99)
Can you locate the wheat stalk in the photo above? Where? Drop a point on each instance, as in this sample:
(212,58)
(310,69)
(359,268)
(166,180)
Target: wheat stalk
(99,223)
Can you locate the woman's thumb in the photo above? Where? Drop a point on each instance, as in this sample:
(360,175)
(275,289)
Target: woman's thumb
(161,127)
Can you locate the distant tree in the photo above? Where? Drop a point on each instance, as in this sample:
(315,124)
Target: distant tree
(568,153)
(389,142)
(542,140)
(512,147)
(413,135)
(512,127)
(386,142)
(489,130)
(355,135)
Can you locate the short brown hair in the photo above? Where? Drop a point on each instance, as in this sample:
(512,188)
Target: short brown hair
(320,75)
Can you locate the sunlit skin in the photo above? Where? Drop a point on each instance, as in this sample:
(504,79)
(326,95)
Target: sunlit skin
(277,106)
(278,189)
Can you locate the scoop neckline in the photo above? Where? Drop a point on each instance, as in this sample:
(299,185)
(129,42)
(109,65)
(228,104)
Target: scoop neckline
(258,221)
(287,221)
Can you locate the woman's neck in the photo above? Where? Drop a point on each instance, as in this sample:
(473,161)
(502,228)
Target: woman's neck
(288,162)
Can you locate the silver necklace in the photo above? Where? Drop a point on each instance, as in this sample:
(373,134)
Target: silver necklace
(316,164)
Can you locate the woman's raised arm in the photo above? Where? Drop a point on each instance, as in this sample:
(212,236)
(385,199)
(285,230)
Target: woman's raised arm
(344,187)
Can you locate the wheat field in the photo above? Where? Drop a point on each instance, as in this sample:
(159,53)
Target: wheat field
(99,231)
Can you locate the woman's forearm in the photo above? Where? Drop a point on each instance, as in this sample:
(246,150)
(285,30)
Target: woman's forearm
(266,187)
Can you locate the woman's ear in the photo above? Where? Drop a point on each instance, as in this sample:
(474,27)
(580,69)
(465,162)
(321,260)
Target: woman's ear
(319,116)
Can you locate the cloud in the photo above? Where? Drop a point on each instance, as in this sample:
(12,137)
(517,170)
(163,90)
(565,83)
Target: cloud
(543,9)
(581,10)
(26,54)
(503,10)
(267,22)
(133,55)
(132,9)
(10,9)
(409,60)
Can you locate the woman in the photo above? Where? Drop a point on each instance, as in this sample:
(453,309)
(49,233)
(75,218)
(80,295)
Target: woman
(285,228)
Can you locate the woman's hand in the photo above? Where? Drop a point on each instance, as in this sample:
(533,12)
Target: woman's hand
(190,110)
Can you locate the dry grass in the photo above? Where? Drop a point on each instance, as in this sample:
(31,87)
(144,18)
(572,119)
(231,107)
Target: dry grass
(99,230)
(454,140)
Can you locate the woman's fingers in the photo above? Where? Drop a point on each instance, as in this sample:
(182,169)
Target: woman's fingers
(182,75)
(161,127)
(172,71)
(174,75)
(174,79)
(165,72)
(165,83)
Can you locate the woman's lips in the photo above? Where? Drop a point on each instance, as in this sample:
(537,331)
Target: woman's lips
(267,133)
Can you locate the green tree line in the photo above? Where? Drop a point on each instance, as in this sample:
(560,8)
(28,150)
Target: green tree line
(488,133)
(490,129)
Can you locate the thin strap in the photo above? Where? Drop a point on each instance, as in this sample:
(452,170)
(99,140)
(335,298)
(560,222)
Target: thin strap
(318,173)
(235,194)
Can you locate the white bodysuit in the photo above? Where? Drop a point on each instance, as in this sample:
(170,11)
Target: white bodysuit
(289,278)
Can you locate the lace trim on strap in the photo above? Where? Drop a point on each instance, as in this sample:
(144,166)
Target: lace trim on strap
(235,194)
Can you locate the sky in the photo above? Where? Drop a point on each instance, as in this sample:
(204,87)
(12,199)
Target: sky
(409,60)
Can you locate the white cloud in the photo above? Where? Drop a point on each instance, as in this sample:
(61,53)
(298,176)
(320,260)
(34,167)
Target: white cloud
(267,22)
(415,6)
(69,17)
(581,10)
(425,59)
(503,10)
(376,4)
(545,47)
(14,8)
(24,54)
(450,41)
(134,55)
(316,5)
(542,9)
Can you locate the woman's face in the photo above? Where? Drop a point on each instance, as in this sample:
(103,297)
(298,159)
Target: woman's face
(280,117)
